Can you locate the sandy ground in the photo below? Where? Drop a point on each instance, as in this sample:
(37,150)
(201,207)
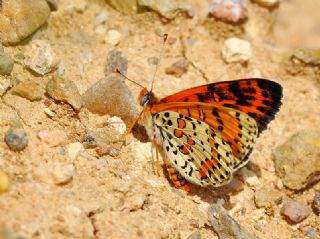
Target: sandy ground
(120,197)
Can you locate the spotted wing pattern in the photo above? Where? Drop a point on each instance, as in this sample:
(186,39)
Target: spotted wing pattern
(259,98)
(195,149)
(237,129)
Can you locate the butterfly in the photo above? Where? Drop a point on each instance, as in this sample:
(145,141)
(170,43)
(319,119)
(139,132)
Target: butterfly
(208,132)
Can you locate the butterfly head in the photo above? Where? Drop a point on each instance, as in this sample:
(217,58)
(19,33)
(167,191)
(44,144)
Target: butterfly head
(146,98)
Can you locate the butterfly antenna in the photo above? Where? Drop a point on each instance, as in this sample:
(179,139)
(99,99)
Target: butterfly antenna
(165,37)
(116,70)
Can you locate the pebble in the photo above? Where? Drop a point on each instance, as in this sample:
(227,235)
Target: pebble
(249,177)
(6,63)
(295,211)
(74,149)
(166,8)
(117,124)
(195,235)
(297,161)
(307,55)
(101,18)
(225,226)
(4,182)
(236,50)
(53,4)
(16,139)
(267,197)
(29,89)
(178,68)
(40,57)
(14,27)
(124,6)
(232,11)
(62,173)
(113,37)
(64,90)
(5,84)
(316,203)
(49,112)
(53,138)
(267,3)
(311,233)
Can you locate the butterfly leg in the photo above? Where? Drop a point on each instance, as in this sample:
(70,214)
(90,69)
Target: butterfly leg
(155,163)
(176,178)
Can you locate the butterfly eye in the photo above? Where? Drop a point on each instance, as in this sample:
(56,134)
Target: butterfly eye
(145,100)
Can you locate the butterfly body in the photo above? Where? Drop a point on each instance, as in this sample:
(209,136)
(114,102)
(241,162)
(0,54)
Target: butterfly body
(207,132)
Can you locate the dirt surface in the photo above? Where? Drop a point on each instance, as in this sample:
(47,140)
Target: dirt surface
(120,197)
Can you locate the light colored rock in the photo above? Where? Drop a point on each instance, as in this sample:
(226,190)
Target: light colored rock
(62,173)
(52,138)
(117,123)
(295,211)
(40,57)
(30,90)
(113,37)
(64,90)
(5,84)
(249,177)
(101,18)
(6,63)
(236,50)
(308,56)
(124,6)
(4,182)
(74,149)
(267,197)
(49,112)
(267,3)
(297,161)
(229,10)
(166,8)
(16,139)
(20,18)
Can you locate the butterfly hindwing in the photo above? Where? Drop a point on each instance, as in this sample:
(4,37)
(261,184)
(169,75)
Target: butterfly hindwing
(195,149)
(259,98)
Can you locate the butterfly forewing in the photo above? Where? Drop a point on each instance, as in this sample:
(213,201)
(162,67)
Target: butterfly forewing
(197,150)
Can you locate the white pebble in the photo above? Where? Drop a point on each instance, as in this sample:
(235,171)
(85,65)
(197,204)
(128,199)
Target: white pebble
(62,174)
(117,124)
(236,50)
(249,177)
(49,112)
(100,19)
(74,149)
(113,37)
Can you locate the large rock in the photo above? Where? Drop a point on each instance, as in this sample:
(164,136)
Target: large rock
(20,18)
(297,161)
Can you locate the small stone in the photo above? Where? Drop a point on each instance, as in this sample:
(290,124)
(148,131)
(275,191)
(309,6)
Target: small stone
(4,182)
(316,203)
(40,57)
(124,6)
(249,177)
(64,90)
(113,37)
(295,211)
(29,89)
(53,4)
(20,18)
(297,161)
(16,139)
(62,174)
(101,18)
(232,11)
(117,124)
(225,226)
(53,138)
(311,233)
(308,56)
(195,235)
(267,197)
(74,149)
(178,68)
(5,84)
(6,64)
(236,50)
(267,3)
(49,112)
(166,8)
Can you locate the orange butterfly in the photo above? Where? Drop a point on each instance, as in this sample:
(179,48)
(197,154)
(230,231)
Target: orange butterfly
(207,132)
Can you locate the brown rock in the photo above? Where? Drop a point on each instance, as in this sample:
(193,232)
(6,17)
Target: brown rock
(29,90)
(20,18)
(178,68)
(295,211)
